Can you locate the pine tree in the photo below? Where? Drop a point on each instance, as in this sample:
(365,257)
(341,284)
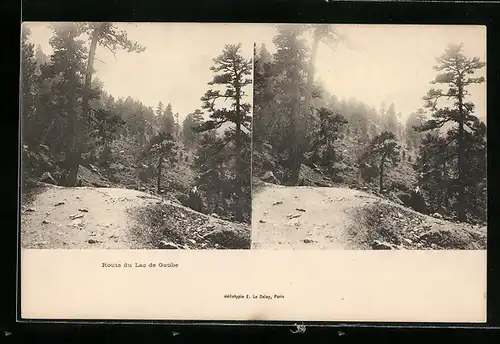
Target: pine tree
(66,71)
(106,35)
(329,35)
(323,148)
(176,129)
(291,67)
(232,72)
(162,148)
(40,56)
(166,120)
(413,136)
(211,160)
(383,150)
(159,109)
(190,134)
(475,174)
(391,120)
(456,71)
(432,166)
(264,104)
(29,87)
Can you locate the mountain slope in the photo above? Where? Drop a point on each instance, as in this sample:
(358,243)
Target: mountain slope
(88,217)
(304,217)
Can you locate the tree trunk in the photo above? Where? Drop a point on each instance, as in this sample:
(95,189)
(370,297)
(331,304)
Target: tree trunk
(296,151)
(310,82)
(239,152)
(75,143)
(462,217)
(301,127)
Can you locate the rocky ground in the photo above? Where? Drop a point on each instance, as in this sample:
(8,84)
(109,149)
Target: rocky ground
(307,217)
(90,217)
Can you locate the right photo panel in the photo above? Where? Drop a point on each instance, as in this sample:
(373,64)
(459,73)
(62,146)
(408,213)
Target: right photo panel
(369,137)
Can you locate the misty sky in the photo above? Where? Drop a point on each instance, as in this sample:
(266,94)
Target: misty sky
(174,68)
(383,63)
(392,63)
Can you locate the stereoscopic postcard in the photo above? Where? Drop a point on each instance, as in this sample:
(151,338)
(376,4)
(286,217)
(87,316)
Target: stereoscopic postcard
(269,172)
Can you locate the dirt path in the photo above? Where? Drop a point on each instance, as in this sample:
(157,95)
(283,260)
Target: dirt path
(112,218)
(80,218)
(305,217)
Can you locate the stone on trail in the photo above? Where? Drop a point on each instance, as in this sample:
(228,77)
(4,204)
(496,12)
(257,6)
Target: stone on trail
(75,216)
(76,222)
(30,210)
(45,222)
(308,241)
(83,210)
(92,241)
(293,215)
(300,209)
(276,203)
(262,221)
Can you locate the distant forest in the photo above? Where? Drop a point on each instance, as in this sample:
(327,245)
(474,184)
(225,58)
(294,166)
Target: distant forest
(300,130)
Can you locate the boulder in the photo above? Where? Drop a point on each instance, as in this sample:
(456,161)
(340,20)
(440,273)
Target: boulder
(310,177)
(47,178)
(405,198)
(417,202)
(269,177)
(413,200)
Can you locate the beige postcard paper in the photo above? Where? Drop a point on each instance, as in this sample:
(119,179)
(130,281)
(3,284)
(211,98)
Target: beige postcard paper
(271,172)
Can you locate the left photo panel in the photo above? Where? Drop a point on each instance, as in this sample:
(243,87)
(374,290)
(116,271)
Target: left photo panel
(135,136)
